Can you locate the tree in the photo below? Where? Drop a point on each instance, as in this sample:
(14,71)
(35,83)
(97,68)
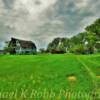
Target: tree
(42,50)
(8,48)
(78,49)
(58,45)
(94,28)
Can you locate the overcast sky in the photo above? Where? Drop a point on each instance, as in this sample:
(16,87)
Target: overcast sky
(43,20)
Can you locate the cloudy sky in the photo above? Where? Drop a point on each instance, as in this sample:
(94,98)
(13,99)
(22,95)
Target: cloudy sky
(43,20)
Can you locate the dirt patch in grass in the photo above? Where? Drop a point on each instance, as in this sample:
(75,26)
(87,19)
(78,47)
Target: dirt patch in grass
(98,68)
(71,77)
(98,76)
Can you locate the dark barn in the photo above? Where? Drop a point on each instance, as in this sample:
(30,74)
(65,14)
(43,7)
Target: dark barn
(17,46)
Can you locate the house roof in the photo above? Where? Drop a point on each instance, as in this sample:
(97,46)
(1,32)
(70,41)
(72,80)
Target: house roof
(24,43)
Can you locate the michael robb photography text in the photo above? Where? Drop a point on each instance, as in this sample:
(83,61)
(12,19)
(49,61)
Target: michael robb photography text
(45,95)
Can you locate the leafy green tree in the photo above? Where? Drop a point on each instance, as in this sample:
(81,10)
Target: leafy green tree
(94,28)
(58,44)
(78,49)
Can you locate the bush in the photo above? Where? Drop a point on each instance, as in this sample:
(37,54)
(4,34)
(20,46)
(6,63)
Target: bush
(79,49)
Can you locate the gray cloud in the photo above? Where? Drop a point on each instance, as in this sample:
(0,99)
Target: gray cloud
(8,4)
(42,20)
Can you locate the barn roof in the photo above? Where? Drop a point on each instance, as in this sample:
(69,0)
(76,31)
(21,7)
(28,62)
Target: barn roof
(24,43)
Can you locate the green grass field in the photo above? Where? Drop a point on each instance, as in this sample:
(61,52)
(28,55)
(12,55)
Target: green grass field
(49,77)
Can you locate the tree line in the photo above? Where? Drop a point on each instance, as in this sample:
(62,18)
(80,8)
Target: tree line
(87,42)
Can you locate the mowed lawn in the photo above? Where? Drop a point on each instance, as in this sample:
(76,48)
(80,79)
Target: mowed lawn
(51,73)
